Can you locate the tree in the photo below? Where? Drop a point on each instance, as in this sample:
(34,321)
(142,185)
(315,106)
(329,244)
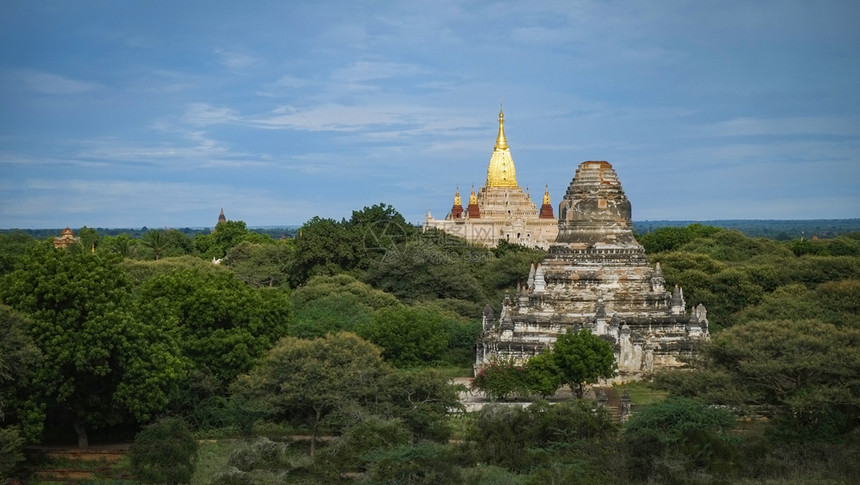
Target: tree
(522,438)
(335,303)
(310,379)
(156,240)
(381,229)
(324,247)
(420,271)
(164,452)
(177,243)
(806,374)
(89,239)
(223,324)
(122,244)
(13,247)
(422,398)
(18,355)
(101,363)
(682,430)
(11,453)
(542,376)
(583,357)
(371,434)
(671,238)
(410,337)
(261,264)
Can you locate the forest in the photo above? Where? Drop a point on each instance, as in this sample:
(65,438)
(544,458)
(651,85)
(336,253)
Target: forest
(327,357)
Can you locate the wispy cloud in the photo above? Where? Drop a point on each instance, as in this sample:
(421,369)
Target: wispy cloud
(47,83)
(805,125)
(201,114)
(234,59)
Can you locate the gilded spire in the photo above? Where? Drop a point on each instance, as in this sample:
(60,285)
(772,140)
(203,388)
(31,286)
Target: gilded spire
(546,196)
(501,171)
(473,199)
(501,143)
(457,200)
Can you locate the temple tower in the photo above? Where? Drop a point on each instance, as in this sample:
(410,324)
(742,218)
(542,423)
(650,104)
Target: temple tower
(596,276)
(500,209)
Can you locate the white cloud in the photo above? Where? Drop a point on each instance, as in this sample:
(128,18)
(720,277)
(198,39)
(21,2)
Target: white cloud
(201,114)
(47,83)
(235,60)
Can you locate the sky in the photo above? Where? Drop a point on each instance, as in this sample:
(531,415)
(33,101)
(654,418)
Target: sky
(160,114)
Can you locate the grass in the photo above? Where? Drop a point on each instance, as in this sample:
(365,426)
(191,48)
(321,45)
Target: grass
(452,371)
(642,392)
(211,458)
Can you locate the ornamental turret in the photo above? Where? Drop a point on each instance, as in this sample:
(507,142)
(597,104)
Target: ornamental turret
(457,208)
(473,211)
(546,208)
(222,217)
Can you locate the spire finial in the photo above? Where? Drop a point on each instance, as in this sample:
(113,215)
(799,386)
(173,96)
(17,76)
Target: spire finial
(546,195)
(501,143)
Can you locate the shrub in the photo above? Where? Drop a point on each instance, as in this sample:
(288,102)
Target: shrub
(164,452)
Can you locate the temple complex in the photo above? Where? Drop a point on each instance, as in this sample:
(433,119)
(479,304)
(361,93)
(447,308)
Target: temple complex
(500,209)
(596,276)
(65,239)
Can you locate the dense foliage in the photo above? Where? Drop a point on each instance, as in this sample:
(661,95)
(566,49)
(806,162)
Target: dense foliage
(352,328)
(576,359)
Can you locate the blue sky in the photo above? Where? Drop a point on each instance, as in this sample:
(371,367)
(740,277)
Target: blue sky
(158,114)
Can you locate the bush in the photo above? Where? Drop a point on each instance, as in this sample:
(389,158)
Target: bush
(164,452)
(261,453)
(500,380)
(11,453)
(679,433)
(541,434)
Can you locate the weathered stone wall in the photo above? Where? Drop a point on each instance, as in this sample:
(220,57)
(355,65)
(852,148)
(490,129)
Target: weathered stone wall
(597,277)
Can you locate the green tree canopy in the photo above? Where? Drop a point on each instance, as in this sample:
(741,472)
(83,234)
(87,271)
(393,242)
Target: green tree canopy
(409,337)
(307,380)
(101,363)
(226,235)
(682,430)
(262,264)
(223,324)
(670,238)
(805,373)
(583,357)
(156,240)
(324,247)
(13,247)
(335,303)
(19,358)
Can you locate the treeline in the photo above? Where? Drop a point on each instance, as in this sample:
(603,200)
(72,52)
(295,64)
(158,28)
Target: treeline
(275,232)
(780,230)
(352,329)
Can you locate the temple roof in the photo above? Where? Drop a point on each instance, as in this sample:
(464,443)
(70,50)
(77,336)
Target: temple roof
(501,171)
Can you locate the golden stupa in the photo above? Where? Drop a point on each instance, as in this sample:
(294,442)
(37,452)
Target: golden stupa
(500,209)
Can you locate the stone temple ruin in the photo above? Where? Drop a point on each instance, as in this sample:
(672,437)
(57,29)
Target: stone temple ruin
(596,276)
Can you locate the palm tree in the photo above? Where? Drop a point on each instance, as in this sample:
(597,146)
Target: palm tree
(156,239)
